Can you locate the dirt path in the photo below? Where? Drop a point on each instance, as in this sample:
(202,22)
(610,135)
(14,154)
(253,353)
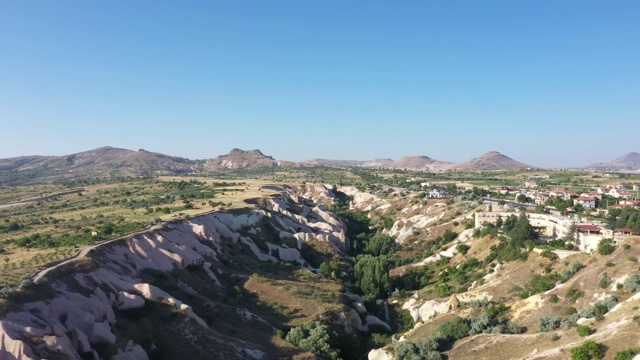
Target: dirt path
(39,275)
(23,202)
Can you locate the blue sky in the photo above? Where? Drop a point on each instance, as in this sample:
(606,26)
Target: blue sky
(550,83)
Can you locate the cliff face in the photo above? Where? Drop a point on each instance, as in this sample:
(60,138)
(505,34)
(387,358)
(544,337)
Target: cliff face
(170,288)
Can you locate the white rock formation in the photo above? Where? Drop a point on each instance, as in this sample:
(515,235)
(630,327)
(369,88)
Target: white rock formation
(72,322)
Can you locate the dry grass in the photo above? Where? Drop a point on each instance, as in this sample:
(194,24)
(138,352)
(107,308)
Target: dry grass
(303,298)
(81,210)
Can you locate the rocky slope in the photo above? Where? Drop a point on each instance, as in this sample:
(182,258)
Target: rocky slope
(220,286)
(196,289)
(420,163)
(626,162)
(500,283)
(238,158)
(492,160)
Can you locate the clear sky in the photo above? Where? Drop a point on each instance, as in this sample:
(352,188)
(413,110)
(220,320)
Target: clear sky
(546,82)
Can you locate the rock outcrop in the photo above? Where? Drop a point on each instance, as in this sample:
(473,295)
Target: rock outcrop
(80,315)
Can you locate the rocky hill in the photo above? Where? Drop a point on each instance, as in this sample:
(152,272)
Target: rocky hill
(113,162)
(102,162)
(627,162)
(630,159)
(238,158)
(420,163)
(492,160)
(379,163)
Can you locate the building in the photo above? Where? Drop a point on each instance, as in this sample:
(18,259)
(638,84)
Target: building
(586,202)
(588,229)
(561,194)
(437,193)
(593,194)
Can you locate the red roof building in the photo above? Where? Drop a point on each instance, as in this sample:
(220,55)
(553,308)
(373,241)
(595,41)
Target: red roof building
(589,229)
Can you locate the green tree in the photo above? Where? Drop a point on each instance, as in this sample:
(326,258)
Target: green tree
(372,276)
(462,248)
(587,351)
(315,337)
(509,223)
(455,329)
(523,231)
(380,244)
(605,247)
(331,268)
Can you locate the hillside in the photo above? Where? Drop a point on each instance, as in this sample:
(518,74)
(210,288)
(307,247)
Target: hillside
(420,163)
(102,162)
(237,159)
(414,163)
(631,159)
(253,282)
(333,163)
(627,162)
(492,160)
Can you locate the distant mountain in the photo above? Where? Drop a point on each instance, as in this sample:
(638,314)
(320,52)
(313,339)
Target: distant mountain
(629,162)
(334,163)
(238,158)
(631,159)
(420,162)
(379,163)
(102,162)
(492,160)
(416,163)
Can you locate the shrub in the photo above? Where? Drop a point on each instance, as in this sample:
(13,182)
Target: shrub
(455,329)
(555,337)
(632,283)
(426,349)
(513,328)
(570,321)
(576,266)
(315,337)
(538,284)
(605,247)
(462,248)
(604,306)
(627,354)
(585,330)
(574,294)
(549,323)
(554,298)
(587,313)
(605,281)
(587,351)
(549,255)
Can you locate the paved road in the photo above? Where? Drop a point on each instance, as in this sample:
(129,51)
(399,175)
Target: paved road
(23,202)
